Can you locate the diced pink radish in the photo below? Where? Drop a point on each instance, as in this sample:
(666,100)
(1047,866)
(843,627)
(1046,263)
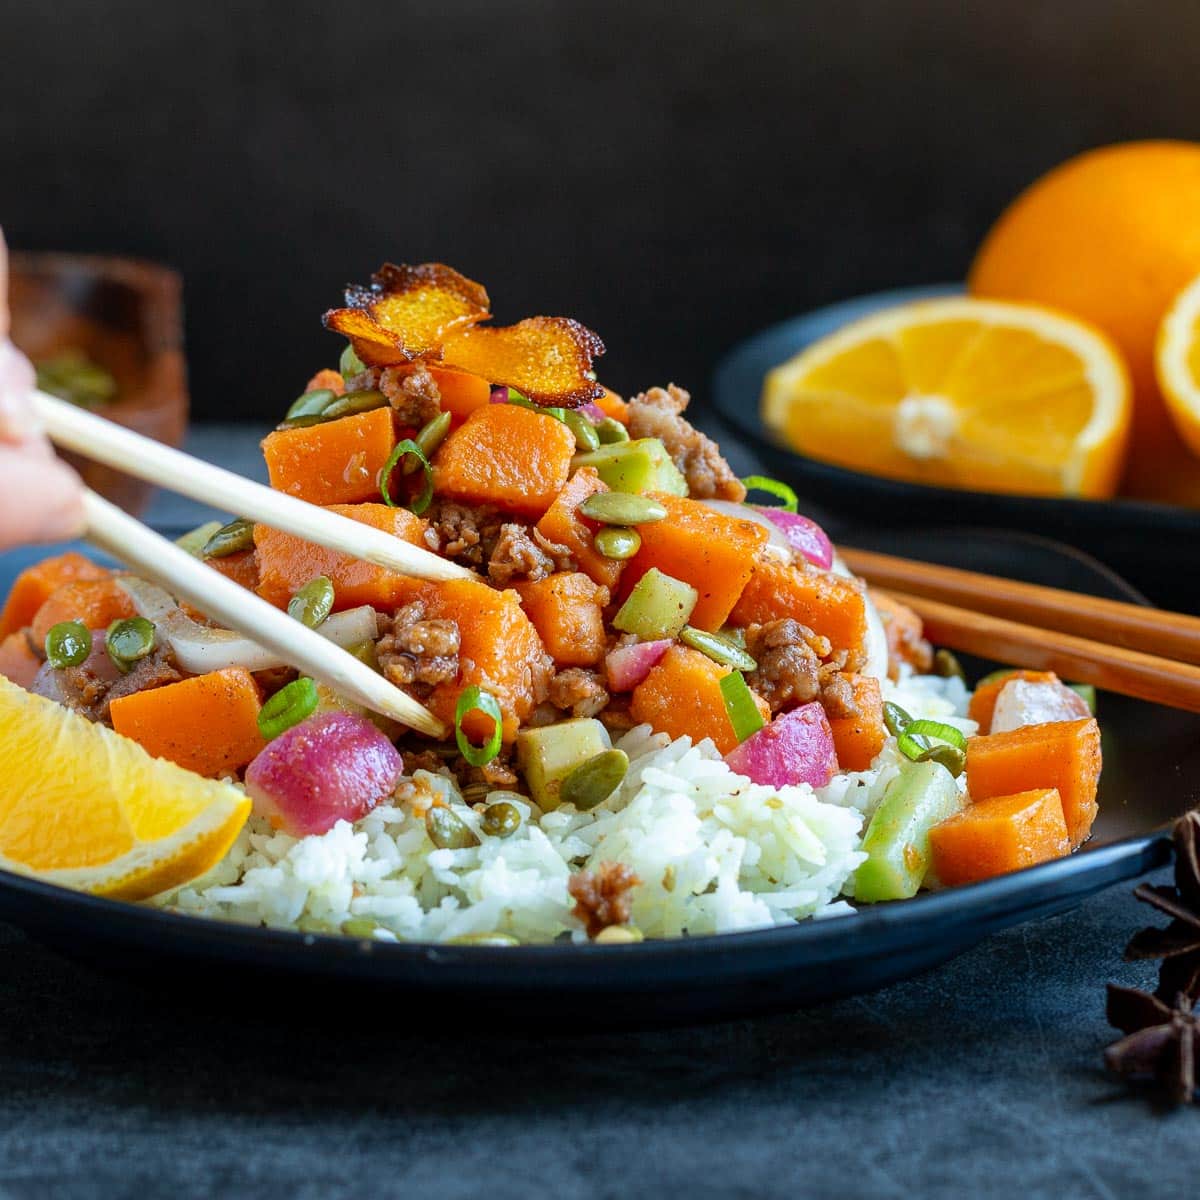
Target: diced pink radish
(332,767)
(797,747)
(1036,702)
(593,412)
(626,666)
(804,535)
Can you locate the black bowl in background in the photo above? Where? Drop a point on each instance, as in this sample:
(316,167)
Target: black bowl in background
(1149,544)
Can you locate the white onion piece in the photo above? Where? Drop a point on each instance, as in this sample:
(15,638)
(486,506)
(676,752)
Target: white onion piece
(878,655)
(1024,702)
(200,649)
(777,543)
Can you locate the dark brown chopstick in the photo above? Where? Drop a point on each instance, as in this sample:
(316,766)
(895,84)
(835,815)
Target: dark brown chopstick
(1131,626)
(1079,659)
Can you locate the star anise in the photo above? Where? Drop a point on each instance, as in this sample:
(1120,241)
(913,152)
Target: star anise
(1161,1042)
(1178,945)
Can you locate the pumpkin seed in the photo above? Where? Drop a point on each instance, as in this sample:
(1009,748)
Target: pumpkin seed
(354,402)
(617,543)
(448,831)
(492,938)
(501,819)
(229,539)
(593,781)
(586,438)
(622,508)
(313,602)
(68,644)
(432,435)
(618,935)
(720,649)
(947,665)
(128,641)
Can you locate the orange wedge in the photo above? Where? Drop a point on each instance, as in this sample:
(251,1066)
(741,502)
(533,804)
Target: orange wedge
(961,393)
(83,807)
(1177,363)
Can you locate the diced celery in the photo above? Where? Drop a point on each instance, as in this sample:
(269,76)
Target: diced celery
(658,607)
(549,753)
(897,839)
(642,465)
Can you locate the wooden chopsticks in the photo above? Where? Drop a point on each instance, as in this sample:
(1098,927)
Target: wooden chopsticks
(225,601)
(103,441)
(1133,626)
(1125,648)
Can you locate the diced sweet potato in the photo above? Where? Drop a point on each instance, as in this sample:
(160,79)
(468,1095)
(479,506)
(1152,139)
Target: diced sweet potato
(858,739)
(828,604)
(713,552)
(208,723)
(566,611)
(563,525)
(329,379)
(1061,754)
(286,563)
(241,567)
(613,406)
(461,392)
(681,696)
(983,700)
(499,650)
(17,662)
(34,585)
(95,602)
(508,456)
(334,463)
(1004,833)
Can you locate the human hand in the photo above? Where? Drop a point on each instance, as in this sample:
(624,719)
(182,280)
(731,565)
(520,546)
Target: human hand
(41,498)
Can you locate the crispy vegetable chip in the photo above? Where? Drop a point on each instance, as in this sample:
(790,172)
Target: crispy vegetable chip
(407,312)
(547,359)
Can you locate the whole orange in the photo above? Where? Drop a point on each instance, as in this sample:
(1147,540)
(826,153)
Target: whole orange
(1111,236)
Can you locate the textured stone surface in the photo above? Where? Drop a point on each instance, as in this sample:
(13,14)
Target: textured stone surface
(980,1079)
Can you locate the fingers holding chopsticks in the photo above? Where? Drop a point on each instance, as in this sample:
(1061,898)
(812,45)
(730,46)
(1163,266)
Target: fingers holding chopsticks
(41,498)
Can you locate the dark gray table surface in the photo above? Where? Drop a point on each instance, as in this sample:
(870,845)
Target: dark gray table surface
(981,1078)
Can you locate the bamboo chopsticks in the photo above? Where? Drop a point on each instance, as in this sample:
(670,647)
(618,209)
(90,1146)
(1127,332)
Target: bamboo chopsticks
(103,441)
(1125,648)
(189,579)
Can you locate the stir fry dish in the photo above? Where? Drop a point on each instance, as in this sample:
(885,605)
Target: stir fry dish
(669,708)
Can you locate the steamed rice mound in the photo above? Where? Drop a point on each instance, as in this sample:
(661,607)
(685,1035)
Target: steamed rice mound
(714,852)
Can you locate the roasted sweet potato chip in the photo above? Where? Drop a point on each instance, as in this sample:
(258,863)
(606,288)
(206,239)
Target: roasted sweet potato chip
(547,359)
(407,312)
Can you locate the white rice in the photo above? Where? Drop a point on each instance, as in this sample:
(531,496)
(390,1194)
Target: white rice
(714,852)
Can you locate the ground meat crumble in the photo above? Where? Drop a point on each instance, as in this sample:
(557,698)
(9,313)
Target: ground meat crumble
(602,896)
(417,654)
(789,658)
(90,692)
(578,691)
(522,552)
(658,413)
(412,392)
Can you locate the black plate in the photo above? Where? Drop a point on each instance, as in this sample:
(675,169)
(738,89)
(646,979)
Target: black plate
(1152,757)
(1150,544)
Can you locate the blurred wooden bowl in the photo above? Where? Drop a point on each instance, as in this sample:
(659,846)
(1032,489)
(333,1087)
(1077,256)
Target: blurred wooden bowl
(127,317)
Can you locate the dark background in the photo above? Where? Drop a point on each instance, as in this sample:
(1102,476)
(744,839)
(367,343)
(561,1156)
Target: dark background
(676,176)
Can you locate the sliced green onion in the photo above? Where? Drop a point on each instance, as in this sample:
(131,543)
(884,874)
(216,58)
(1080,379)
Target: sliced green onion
(402,451)
(313,602)
(718,647)
(128,641)
(895,718)
(289,706)
(950,757)
(68,644)
(474,699)
(913,741)
(1087,692)
(773,487)
(739,704)
(350,364)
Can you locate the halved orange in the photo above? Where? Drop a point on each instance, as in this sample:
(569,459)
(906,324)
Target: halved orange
(1177,363)
(84,807)
(961,393)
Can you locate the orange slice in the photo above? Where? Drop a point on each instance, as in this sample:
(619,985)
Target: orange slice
(1177,363)
(83,807)
(961,393)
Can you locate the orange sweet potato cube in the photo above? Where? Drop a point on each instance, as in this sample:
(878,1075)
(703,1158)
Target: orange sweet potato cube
(508,456)
(857,739)
(335,463)
(286,563)
(713,552)
(1059,754)
(998,835)
(208,723)
(34,585)
(563,525)
(566,610)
